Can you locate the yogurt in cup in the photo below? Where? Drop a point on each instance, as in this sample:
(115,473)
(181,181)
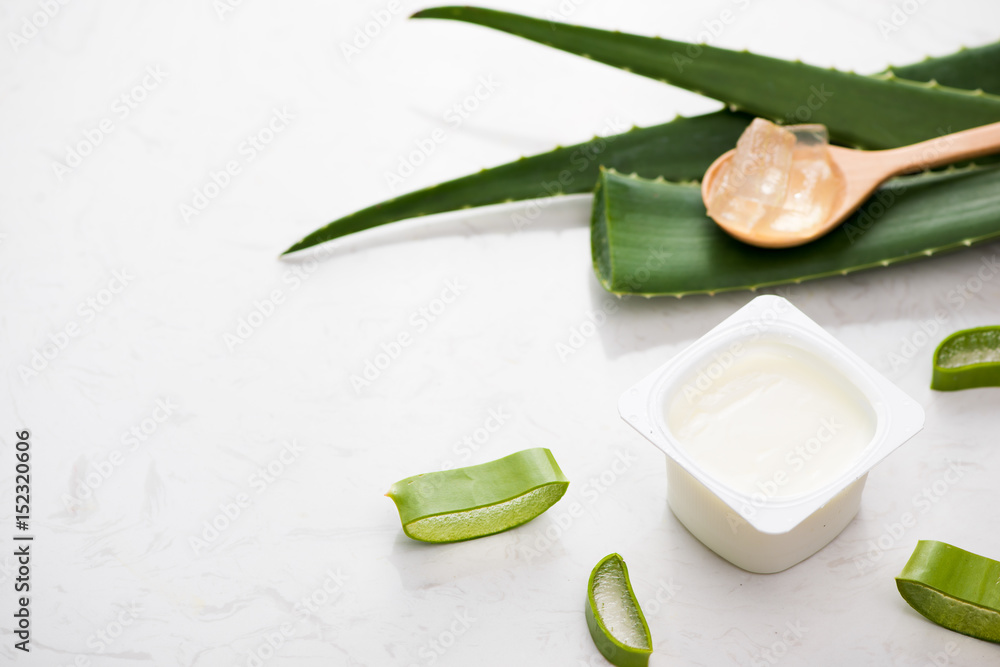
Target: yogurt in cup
(770,426)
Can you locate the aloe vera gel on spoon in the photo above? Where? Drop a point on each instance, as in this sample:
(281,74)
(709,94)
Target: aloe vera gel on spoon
(780,179)
(770,427)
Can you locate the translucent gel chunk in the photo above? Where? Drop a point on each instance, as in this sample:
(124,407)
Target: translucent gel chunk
(485,520)
(756,180)
(779,178)
(620,617)
(810,137)
(763,159)
(968,357)
(972,347)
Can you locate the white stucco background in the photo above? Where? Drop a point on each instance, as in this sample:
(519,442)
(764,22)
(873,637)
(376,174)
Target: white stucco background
(149,424)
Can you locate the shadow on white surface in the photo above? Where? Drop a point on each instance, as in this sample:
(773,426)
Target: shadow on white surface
(424,565)
(653,322)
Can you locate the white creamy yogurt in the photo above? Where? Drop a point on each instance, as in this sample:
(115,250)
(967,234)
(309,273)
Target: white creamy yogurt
(770,420)
(770,427)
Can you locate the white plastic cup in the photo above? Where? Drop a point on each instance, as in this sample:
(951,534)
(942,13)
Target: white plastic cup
(765,534)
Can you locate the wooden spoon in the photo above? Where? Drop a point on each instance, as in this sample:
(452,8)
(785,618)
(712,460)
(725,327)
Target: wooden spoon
(860,173)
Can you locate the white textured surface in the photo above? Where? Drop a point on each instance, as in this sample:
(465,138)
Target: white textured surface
(315,564)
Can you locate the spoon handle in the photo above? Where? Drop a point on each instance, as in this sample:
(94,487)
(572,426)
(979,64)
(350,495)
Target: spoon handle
(946,149)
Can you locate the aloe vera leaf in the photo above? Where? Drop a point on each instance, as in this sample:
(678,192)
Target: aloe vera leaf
(858,110)
(654,238)
(691,143)
(968,68)
(678,150)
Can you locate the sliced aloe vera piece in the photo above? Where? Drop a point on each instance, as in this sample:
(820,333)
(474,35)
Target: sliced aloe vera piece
(465,503)
(680,150)
(954,588)
(614,617)
(654,238)
(868,112)
(967,359)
